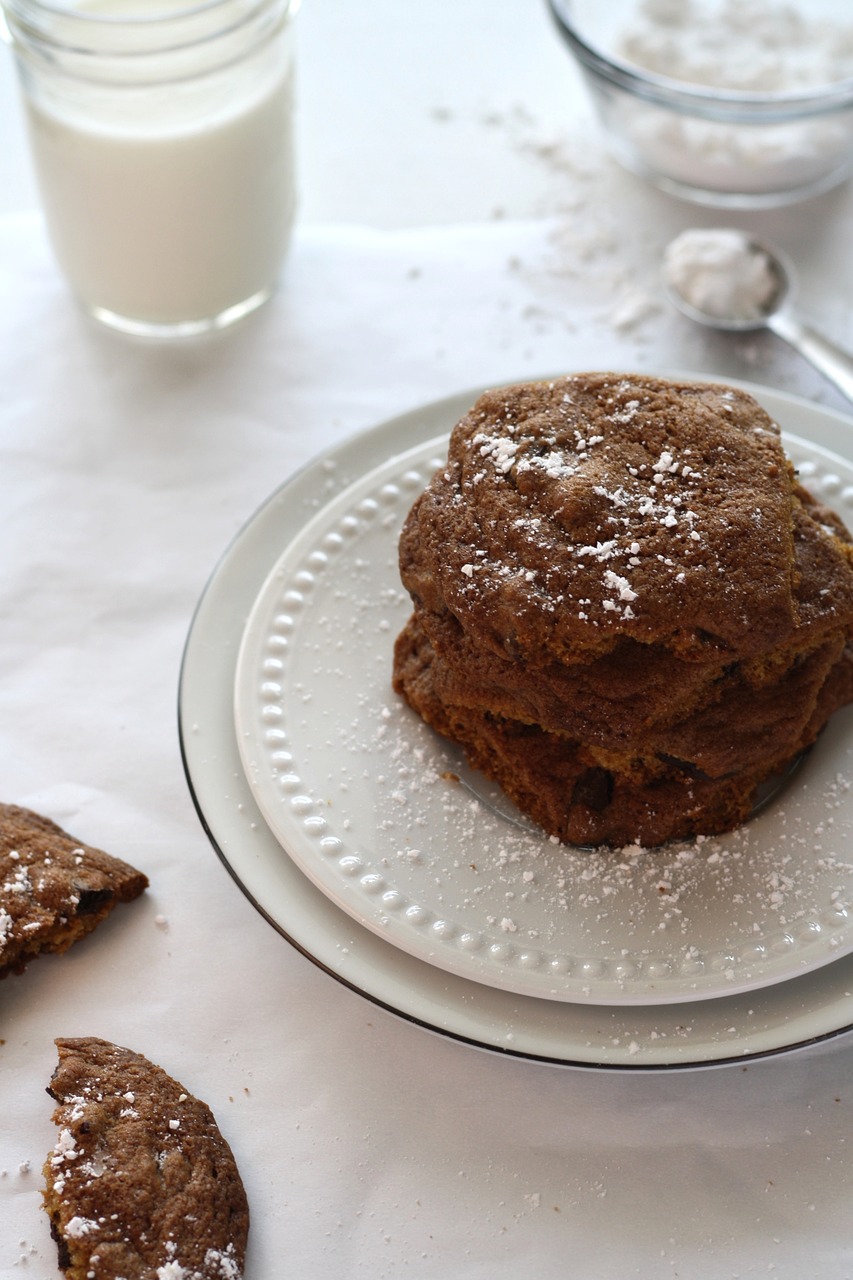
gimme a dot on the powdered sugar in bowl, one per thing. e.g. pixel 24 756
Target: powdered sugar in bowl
pixel 732 103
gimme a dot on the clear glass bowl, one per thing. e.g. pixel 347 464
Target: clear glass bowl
pixel 726 147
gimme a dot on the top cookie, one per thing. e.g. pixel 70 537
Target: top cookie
pixel 598 506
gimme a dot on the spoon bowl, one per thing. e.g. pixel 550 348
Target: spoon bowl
pixel 729 280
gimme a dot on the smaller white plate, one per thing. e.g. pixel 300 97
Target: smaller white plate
pixel 366 800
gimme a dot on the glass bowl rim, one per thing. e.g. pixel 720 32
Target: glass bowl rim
pixel 743 106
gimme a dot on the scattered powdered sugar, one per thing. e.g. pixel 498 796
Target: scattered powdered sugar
pixel 643 511
pixel 18 882
pixel 171 1271
pixel 484 879
pixel 620 585
pixel 218 1265
pixel 65 1148
pixel 77 1227
pixel 222 1264
pixel 632 309
pixel 499 450
pixel 586 242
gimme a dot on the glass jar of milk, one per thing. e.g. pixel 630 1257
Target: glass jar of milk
pixel 162 136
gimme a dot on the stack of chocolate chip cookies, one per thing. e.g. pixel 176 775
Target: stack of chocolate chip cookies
pixel 627 610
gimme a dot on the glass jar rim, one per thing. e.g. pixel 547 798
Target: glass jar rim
pixel 173 40
pixel 30 10
pixel 166 27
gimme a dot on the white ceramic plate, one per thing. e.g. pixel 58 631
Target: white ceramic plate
pixel 486 1010
pixel 364 798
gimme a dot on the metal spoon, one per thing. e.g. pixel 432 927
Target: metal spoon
pixel 747 285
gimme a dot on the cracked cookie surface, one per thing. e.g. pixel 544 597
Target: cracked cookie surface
pixel 141 1184
pixel 53 889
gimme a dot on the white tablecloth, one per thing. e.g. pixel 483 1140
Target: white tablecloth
pixel 369 1147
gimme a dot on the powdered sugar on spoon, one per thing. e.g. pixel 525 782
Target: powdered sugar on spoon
pixel 726 279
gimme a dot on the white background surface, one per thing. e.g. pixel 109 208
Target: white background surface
pixel 459 225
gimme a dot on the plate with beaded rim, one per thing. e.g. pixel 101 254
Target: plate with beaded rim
pixel 388 822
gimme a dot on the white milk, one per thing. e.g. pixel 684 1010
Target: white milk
pixel 169 205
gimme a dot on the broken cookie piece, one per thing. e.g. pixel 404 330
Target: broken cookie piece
pixel 141 1184
pixel 53 889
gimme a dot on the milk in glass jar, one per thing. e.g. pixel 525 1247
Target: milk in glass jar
pixel 162 137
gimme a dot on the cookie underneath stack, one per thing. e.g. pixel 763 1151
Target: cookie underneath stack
pixel 627 610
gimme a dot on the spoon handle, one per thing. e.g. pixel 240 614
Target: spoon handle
pixel 832 361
